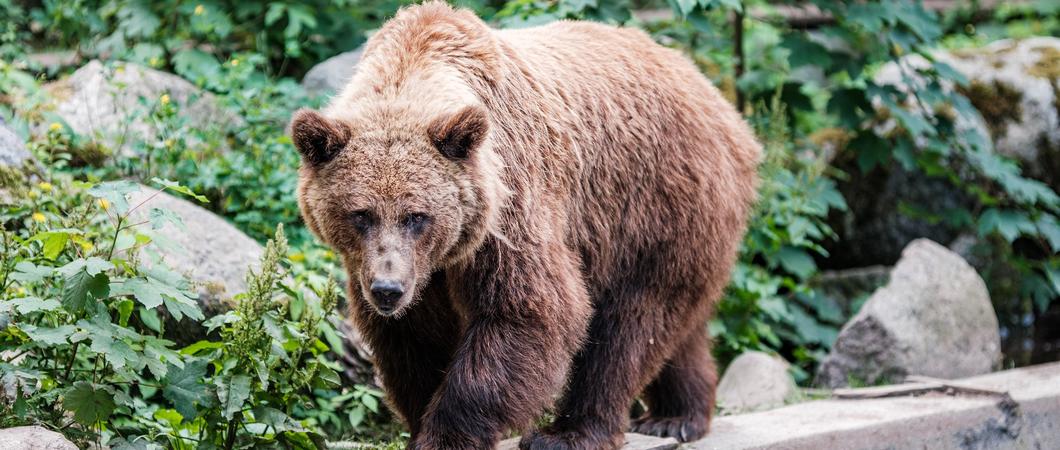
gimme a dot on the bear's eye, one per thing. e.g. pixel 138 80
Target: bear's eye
pixel 361 220
pixel 415 222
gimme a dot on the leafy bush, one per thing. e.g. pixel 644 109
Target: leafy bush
pixel 85 347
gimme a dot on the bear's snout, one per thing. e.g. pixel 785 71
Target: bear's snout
pixel 387 295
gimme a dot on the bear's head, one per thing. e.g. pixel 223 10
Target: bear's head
pixel 397 199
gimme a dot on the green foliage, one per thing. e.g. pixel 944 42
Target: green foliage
pixel 193 37
pixel 770 304
pixel 80 296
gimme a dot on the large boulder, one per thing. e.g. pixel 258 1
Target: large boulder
pixel 330 76
pixel 110 103
pixel 13 152
pixel 753 382
pixel 216 256
pixel 933 318
pixel 212 253
pixel 17 166
pixel 33 438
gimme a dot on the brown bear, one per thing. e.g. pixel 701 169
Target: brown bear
pixel 529 216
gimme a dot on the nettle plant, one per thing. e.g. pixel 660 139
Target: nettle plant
pixel 83 301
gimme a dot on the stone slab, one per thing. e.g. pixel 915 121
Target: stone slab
pixel 633 442
pixel 1027 418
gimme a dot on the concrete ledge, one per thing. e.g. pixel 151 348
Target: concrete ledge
pixel 633 442
pixel 1014 409
pixel 1027 417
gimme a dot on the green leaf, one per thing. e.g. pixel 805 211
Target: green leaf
pixel 1010 224
pixel 90 403
pixel 796 261
pixel 48 336
pixel 683 7
pixel 805 52
pixel 184 388
pixel 850 105
pixel 177 187
pixel 160 217
pixel 26 305
pixel 116 193
pixel 276 419
pixel 948 72
pixel 27 272
pixel 371 403
pixel 53 241
pixel 356 416
pixel 871 150
pixel 125 309
pixel 232 393
pixel 159 356
pixel 1050 229
pixel 81 288
pixel 93 266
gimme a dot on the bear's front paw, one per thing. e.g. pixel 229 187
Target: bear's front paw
pixel 683 429
pixel 570 440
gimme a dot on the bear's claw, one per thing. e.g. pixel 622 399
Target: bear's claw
pixel 569 440
pixel 683 429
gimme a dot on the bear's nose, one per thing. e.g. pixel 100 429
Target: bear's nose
pixel 386 293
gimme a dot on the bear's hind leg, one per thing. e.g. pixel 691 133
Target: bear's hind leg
pixel 681 398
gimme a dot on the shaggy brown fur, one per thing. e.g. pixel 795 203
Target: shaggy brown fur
pixel 528 214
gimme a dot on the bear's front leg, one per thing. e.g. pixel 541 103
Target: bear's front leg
pixel 528 310
pixel 411 352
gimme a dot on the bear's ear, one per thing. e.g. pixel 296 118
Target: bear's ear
pixel 318 138
pixel 457 135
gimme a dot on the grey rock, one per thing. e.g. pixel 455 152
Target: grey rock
pixel 755 381
pixel 331 75
pixel 216 256
pixel 33 438
pixel 13 152
pixel 210 252
pixel 849 286
pixel 55 60
pixel 1014 84
pixel 103 103
pixel 933 318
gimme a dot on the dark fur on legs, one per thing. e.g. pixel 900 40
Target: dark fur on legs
pixel 595 412
pixel 681 398
pixel 411 352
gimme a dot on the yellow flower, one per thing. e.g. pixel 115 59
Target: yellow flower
pixel 297 257
pixel 120 69
pixel 55 126
pixel 45 186
pixel 164 99
pixel 86 246
pixel 33 194
pixel 38 217
pixel 103 203
pixel 235 62
pixel 199 10
pixel 21 291
pixel 168 143
pixel 328 254
pixel 153 62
